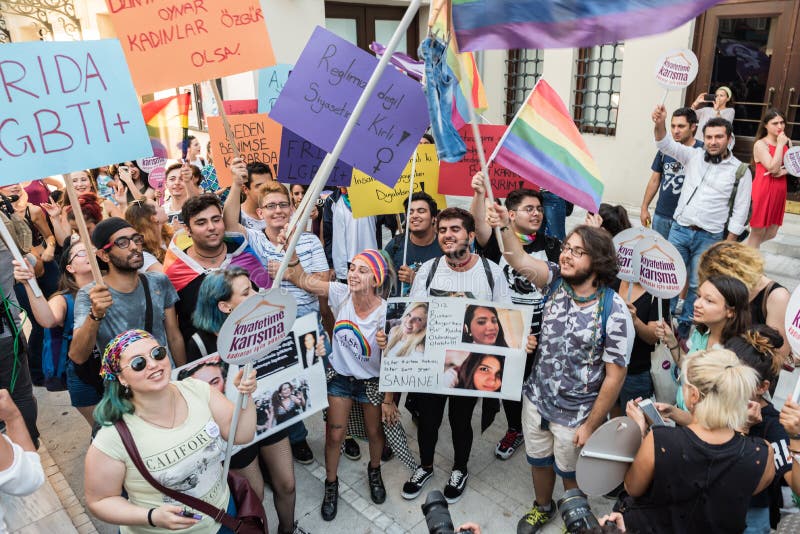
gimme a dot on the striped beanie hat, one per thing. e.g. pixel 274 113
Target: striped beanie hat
pixel 376 262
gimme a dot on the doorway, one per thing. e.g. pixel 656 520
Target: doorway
pixel 362 24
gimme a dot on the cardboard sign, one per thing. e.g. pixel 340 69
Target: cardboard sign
pixel 322 91
pixel 157 160
pixel 791 160
pixel 270 84
pixel 256 326
pixel 240 107
pixel 793 321
pixel 625 242
pixel 434 346
pixel 454 178
pixel 676 69
pixel 169 44
pixel 660 267
pixel 373 198
pixel 66 106
pixel 257 136
pixel 300 160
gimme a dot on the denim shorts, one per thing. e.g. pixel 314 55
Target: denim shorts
pixel 637 385
pixel 81 394
pixel 349 387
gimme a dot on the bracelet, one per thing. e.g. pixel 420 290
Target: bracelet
pixel 93 317
pixel 388 403
pixel 150 517
pixel 294 263
pixel 672 348
pixel 503 228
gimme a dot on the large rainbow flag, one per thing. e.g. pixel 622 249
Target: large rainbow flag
pixel 507 24
pixel 167 120
pixel 543 146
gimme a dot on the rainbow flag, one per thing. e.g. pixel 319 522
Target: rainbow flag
pixel 167 120
pixel 543 146
pixel 507 24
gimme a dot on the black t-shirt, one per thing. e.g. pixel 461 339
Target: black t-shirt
pixel 771 430
pixel 646 310
pixel 416 255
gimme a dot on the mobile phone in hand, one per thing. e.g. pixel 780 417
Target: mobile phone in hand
pixel 651 413
pixel 709 97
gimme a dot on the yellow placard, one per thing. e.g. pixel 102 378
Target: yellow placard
pixel 370 197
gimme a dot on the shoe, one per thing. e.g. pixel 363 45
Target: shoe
pixel 377 491
pixel 330 502
pixel 297 530
pixel 302 452
pixel 413 487
pixel 535 519
pixel 351 449
pixel 387 453
pixel 509 444
pixel 455 486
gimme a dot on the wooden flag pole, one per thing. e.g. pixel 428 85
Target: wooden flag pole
pixel 224 117
pixel 408 209
pixel 82 230
pixel 17 254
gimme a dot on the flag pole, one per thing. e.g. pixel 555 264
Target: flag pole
pixel 510 124
pixel 224 117
pixel 408 208
pixel 82 230
pixel 11 245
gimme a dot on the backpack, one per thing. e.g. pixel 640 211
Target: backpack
pixel 55 345
pixel 17 226
pixel 737 178
pixel 486 269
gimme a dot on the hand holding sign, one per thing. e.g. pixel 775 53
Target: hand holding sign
pixel 791 161
pixel 676 70
pixel 660 268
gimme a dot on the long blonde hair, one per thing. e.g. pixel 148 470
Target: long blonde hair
pixel 406 344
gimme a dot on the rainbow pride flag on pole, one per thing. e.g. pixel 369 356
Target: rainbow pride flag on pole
pixel 167 120
pixel 507 24
pixel 543 146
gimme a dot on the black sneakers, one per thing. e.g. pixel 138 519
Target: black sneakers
pixel 455 486
pixel 330 502
pixel 302 452
pixel 413 487
pixel 536 518
pixel 351 449
pixel 377 491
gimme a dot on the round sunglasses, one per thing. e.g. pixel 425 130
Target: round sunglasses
pixel 138 363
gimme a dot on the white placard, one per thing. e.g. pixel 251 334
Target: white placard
pixel 792 321
pixel 676 69
pixel 660 267
pixel 791 160
pixel 624 242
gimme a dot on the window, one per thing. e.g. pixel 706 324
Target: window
pixel 598 77
pixel 363 24
pixel 523 70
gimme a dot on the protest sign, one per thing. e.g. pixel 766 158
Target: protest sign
pixel 157 160
pixel 257 136
pixel 67 106
pixel 287 389
pixel 172 44
pixel 660 267
pixel 256 326
pixel 270 84
pixel 300 159
pixel 676 69
pixel 322 91
pixel 240 107
pixel 455 346
pixel 625 242
pixel 791 160
pixel 373 198
pixel 793 321
pixel 455 178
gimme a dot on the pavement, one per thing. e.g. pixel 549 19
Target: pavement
pixel 498 492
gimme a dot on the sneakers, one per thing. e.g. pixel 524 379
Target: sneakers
pixel 413 487
pixel 509 444
pixel 330 502
pixel 351 449
pixel 302 452
pixel 377 491
pixel 455 486
pixel 536 518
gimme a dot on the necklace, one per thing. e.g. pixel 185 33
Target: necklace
pixel 576 298
pixel 459 265
pixel 215 256
pixel 174 412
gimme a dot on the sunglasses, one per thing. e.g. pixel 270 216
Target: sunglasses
pixel 138 363
pixel 125 241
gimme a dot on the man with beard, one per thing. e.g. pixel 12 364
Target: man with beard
pixel 715 199
pixel 126 299
pixel 526 215
pixel 581 360
pixel 458 271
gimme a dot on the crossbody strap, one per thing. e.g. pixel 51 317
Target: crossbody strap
pixel 217 514
pixel 148 304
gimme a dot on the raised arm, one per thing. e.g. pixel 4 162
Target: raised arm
pixel 315 283
pixel 48 314
pixel 233 205
pixel 536 271
pixel 666 143
pixel 478 208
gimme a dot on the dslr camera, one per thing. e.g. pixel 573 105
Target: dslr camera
pixel 576 513
pixel 437 516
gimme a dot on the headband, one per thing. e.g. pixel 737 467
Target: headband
pixel 376 262
pixel 727 91
pixel 111 356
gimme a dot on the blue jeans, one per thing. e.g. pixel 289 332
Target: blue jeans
pixel 638 385
pixel 440 86
pixel 555 216
pixel 757 521
pixel 662 225
pixel 690 244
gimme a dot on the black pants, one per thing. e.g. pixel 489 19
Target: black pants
pixel 431 412
pixel 22 395
pixel 513 409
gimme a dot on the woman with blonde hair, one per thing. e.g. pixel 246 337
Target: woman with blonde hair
pixel 700 477
pixel 768 299
pixel 408 337
pixel 150 220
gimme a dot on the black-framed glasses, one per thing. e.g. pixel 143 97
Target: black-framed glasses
pixel 272 206
pixel 79 254
pixel 138 363
pixel 125 241
pixel 574 252
pixel 531 209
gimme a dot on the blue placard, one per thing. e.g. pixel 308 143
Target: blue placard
pixel 300 160
pixel 270 83
pixel 66 106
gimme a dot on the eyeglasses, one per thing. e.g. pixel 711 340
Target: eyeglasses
pixel 574 252
pixel 138 363
pixel 531 209
pixel 272 206
pixel 125 241
pixel 79 254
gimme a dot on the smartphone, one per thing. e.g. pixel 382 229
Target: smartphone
pixel 709 97
pixel 651 413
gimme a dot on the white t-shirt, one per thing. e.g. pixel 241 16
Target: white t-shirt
pixel 350 237
pixel 355 350
pixel 22 477
pixel 149 261
pixel 472 283
pixel 312 258
pixel 251 223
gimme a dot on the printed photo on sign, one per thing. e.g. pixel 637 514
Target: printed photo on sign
pixel 211 370
pixel 487 325
pixel 406 325
pixel 474 371
pixel 307 343
pixel 274 407
pixel 280 359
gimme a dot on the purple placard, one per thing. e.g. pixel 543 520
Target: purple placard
pixel 300 159
pixel 323 90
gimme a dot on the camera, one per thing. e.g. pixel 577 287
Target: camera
pixel 575 512
pixel 437 516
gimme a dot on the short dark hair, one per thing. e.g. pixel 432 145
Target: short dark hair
pixel 615 218
pixel 466 218
pixel 515 197
pixel 717 122
pixel 195 205
pixel 599 246
pixel 257 167
pixel 425 197
pixel 691 116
